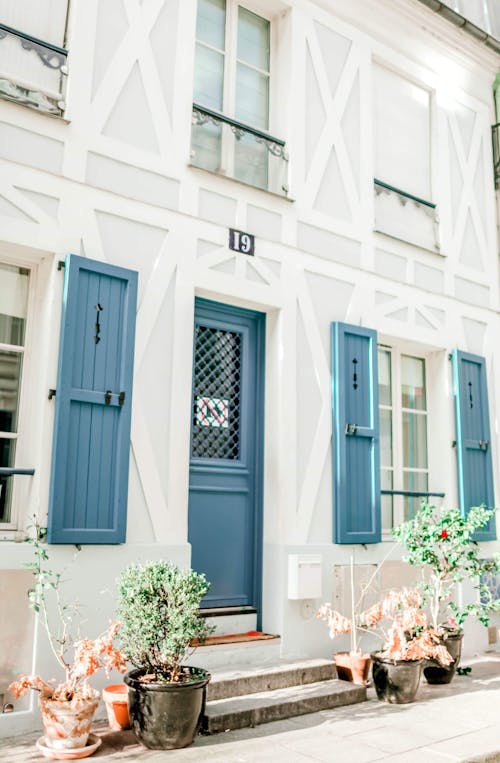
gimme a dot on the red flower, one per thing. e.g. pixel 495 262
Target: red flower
pixel 444 533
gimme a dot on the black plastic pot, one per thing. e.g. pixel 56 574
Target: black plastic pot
pixel 397 681
pixel 166 716
pixel 438 674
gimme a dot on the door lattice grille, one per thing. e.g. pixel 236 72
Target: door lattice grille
pixel 216 394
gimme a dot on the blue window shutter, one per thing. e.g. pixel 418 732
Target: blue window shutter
pixel 355 442
pixel 91 445
pixel 474 462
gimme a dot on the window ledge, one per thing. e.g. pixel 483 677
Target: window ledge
pixel 231 179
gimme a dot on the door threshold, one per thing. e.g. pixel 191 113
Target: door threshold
pixel 226 611
pixel 233 638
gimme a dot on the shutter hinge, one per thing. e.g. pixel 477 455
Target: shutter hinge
pixel 453 443
pixel 121 398
pixel 61 265
pixel 107 397
pixel 52 393
pixel 351 429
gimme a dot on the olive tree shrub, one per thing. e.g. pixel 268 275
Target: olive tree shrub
pixel 159 614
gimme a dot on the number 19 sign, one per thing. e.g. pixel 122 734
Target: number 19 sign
pixel 241 242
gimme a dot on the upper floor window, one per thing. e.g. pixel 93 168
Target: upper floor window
pixel 32 53
pixel 232 89
pixel 404 460
pixel 402 112
pixel 13 310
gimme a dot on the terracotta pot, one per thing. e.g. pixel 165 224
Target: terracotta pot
pixel 440 674
pixel 116 700
pixel 396 681
pixel 67 724
pixel 353 667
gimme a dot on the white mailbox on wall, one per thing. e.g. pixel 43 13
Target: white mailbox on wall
pixel 304 576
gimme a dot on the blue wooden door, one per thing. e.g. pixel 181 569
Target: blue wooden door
pixel 91 445
pixel 225 485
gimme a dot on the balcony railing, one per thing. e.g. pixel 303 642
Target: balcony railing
pixel 237 150
pixel 32 72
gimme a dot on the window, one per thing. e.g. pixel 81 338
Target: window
pixel 13 308
pixel 232 86
pixel 32 54
pixel 402 113
pixel 403 433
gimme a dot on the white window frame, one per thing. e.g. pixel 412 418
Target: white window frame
pixel 226 166
pixel 24 454
pixel 398 469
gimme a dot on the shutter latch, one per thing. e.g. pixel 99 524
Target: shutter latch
pixel 484 444
pixel 121 398
pixel 351 429
pixel 107 397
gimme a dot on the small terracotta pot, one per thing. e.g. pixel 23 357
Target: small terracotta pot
pixel 116 700
pixel 67 724
pixel 353 667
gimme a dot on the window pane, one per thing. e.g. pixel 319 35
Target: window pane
pixel 387 501
pixel 211 22
pixel 206 146
pixel 384 378
pixel 10 379
pixel 208 78
pixel 418 482
pixel 253 39
pixel 252 97
pixel 251 161
pixel 13 303
pixel 7 451
pixel 415 440
pixel 402 132
pixel 385 423
pixel 413 383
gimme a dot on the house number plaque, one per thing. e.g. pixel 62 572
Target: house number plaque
pixel 241 242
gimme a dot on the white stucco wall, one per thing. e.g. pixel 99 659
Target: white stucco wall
pixel 113 182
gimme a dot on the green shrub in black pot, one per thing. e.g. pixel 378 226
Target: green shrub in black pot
pixel 158 610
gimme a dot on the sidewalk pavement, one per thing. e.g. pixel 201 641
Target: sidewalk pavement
pixel 447 724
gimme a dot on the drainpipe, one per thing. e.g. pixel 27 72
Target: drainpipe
pixel 495 134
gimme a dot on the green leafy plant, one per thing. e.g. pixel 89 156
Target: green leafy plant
pixel 440 541
pixel 159 614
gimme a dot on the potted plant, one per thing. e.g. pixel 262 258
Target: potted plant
pixel 353 665
pixel 68 707
pixel 408 640
pixel 440 541
pixel 159 612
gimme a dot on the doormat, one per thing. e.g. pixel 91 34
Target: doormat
pixel 232 638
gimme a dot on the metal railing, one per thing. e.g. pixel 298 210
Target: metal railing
pixel 412 494
pixel 232 148
pixel 403 194
pixel 11 471
pixel 34 80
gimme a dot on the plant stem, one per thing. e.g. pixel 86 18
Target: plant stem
pixel 354 640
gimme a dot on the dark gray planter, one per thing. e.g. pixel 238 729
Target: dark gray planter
pixel 166 716
pixel 438 674
pixel 397 681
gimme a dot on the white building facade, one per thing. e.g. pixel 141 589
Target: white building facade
pixel 306 192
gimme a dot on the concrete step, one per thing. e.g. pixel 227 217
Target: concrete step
pixel 264 707
pixel 244 680
pixel 224 656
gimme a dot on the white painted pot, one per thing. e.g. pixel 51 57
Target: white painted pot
pixel 67 724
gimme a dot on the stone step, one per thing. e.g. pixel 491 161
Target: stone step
pixel 264 707
pixel 244 680
pixel 225 656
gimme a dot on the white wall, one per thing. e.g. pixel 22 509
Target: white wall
pixel 112 182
